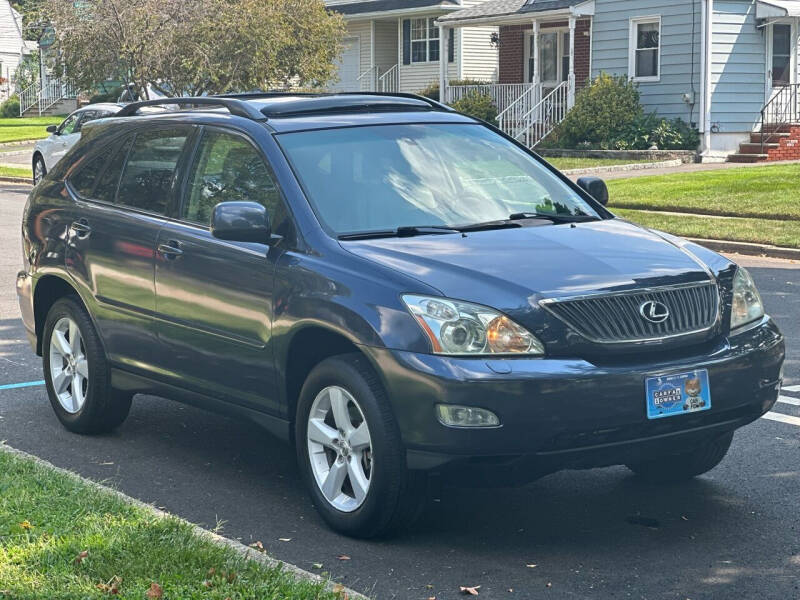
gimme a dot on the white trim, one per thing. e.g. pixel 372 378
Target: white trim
pixel 390 14
pixel 430 22
pixel 372 45
pixel 632 46
pixel 584 9
pixel 560 75
pixel 591 45
pixel 769 88
pixel 708 50
pixel 458 45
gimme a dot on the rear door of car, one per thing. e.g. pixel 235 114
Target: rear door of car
pixel 121 207
pixel 214 297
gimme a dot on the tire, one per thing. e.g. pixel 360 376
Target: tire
pixel 395 496
pixel 684 466
pixel 39 169
pixel 96 407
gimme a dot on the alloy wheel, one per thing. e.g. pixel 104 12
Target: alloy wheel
pixel 339 448
pixel 38 171
pixel 69 367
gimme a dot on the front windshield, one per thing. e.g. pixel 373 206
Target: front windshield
pixel 362 179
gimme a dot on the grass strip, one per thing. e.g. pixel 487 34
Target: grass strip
pixel 15 172
pixel 27 128
pixel 758 192
pixel 759 231
pixel 63 538
pixel 569 162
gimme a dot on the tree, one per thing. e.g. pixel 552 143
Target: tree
pixel 197 46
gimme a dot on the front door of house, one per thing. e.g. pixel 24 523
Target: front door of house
pixel 553 58
pixel 781 68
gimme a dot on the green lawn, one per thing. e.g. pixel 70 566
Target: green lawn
pixel 60 538
pixel 769 192
pixel 564 163
pixel 16 172
pixel 763 231
pixel 28 128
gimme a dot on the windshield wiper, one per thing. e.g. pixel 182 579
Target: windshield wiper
pixel 488 225
pixel 552 217
pixel 404 231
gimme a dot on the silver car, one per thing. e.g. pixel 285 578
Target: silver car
pixel 47 152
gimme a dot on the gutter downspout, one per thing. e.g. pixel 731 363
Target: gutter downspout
pixel 705 100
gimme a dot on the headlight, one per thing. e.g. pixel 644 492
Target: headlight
pixel 747 305
pixel 456 327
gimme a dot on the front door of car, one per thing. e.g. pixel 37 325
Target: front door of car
pixel 214 297
pixel 69 133
pixel 121 207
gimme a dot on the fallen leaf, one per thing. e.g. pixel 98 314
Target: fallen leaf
pixel 26 525
pixel 81 556
pixel 207 583
pixel 470 591
pixel 316 566
pixel 343 557
pixel 211 572
pixel 111 586
pixel 230 577
pixel 549 584
pixel 154 592
pixel 684 517
pixel 284 539
pixel 258 546
pixel 510 590
pixel 532 565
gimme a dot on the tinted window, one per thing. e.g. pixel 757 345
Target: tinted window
pixel 107 186
pixel 147 179
pixel 228 168
pixel 84 180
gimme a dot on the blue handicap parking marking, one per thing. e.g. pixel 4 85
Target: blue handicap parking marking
pixel 14 386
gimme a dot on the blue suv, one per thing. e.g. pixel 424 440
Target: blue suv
pixel 397 289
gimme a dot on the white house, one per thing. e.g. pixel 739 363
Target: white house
pixel 12 46
pixel 394 46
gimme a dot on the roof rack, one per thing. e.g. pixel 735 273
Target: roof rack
pixel 235 106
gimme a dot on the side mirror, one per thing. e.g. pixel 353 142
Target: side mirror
pixel 241 222
pixel 595 187
pixel 52 129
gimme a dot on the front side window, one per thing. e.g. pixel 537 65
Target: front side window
pixel 106 189
pixel 645 47
pixel 379 178
pixel 227 169
pixel 147 180
pixel 424 40
pixel 68 126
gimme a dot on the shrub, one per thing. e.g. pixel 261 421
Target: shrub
pixel 10 108
pixel 106 97
pixel 432 91
pixel 478 105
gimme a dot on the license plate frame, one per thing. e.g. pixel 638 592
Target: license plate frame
pixel 677 394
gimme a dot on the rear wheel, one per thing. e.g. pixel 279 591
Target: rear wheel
pixel 349 449
pixel 39 169
pixel 684 466
pixel 76 372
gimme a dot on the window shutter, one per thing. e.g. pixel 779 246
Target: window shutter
pixel 451 45
pixel 406 41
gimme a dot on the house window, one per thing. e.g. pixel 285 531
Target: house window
pixel 424 41
pixel 781 54
pixel 644 62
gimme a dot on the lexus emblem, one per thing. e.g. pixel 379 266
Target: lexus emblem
pixel 653 311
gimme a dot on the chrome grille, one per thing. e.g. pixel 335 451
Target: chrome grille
pixel 617 318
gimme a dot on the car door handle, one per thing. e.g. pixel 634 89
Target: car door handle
pixel 171 250
pixel 81 228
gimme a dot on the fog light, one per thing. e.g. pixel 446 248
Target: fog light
pixel 453 415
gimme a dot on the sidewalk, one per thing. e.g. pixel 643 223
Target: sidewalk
pixel 686 168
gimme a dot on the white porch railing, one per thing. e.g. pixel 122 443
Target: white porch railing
pixel 502 94
pixel 543 118
pixel 389 82
pixel 515 118
pixel 368 80
pixel 43 97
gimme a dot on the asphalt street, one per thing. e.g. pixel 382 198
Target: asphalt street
pixel 733 533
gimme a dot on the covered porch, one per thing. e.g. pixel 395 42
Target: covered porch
pixel 544 48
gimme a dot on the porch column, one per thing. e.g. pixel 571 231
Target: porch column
pixel 571 78
pixel 535 54
pixel 444 32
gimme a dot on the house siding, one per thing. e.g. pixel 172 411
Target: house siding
pixel 480 58
pixel 738 66
pixel 681 58
pixel 363 32
pixel 386 46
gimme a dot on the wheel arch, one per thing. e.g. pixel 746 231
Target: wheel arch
pixel 48 290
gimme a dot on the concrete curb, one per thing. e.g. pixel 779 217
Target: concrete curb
pixel 748 248
pixel 17 180
pixel 238 547
pixel 622 168
pixel 19 143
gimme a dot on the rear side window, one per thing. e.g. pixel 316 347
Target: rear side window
pixel 107 185
pixel 148 176
pixel 228 168
pixel 84 181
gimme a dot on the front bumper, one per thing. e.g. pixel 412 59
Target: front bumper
pixel 560 413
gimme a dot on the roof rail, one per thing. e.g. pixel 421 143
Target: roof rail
pixel 432 103
pixel 235 106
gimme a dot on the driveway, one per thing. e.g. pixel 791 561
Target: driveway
pixel 734 533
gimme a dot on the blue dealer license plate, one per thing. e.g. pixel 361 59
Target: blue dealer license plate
pixel 671 395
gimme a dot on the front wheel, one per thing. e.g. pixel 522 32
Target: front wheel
pixel 350 452
pixel 76 372
pixel 39 169
pixel 684 466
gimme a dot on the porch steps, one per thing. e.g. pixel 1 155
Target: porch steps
pixel 781 142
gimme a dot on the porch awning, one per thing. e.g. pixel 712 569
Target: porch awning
pixel 776 9
pixel 508 12
pixel 369 7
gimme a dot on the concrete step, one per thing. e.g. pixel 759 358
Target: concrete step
pixel 747 158
pixel 756 148
pixel 778 127
pixel 776 137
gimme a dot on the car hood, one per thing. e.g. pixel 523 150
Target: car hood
pixel 511 268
